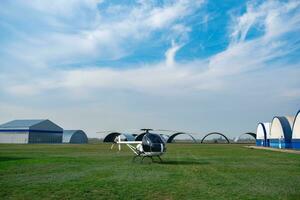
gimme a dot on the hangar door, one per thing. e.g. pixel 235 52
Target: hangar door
pixel 14 137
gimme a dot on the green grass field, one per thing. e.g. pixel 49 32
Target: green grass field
pixel 189 171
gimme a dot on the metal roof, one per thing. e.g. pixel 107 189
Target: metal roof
pixel 70 132
pixel 23 123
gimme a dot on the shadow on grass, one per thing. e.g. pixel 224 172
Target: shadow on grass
pixel 184 162
pixel 6 158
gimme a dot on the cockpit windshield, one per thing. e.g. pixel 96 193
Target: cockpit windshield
pixel 154 138
pixel 153 143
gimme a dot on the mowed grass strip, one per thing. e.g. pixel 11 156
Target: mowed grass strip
pixel 189 171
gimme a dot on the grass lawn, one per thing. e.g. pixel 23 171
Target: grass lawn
pixel 189 171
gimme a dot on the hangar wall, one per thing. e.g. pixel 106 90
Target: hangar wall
pixel 14 137
pixel 44 137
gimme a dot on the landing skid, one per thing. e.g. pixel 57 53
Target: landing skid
pixel 142 157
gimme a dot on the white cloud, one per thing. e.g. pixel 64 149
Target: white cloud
pixel 160 17
pixel 274 17
pixel 66 8
pixel 100 37
pixel 292 93
pixel 170 77
pixel 170 54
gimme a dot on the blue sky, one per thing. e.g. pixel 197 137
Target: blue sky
pixel 195 66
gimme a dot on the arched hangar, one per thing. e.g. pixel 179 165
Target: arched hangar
pixel 171 138
pixel 215 133
pixel 296 132
pixel 281 132
pixel 247 133
pixel 112 136
pixel 75 137
pixel 263 134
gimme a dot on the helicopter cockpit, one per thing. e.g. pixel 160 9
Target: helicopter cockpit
pixel 153 143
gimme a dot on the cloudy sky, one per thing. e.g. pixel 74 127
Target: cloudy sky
pixel 195 66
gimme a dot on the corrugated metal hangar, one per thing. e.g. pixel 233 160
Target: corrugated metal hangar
pixel 30 131
pixel 75 137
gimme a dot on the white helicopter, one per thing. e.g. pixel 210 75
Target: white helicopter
pixel 152 145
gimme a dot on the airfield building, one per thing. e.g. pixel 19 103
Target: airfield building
pixel 112 136
pixel 263 134
pixel 30 131
pixel 296 132
pixel 281 132
pixel 75 137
